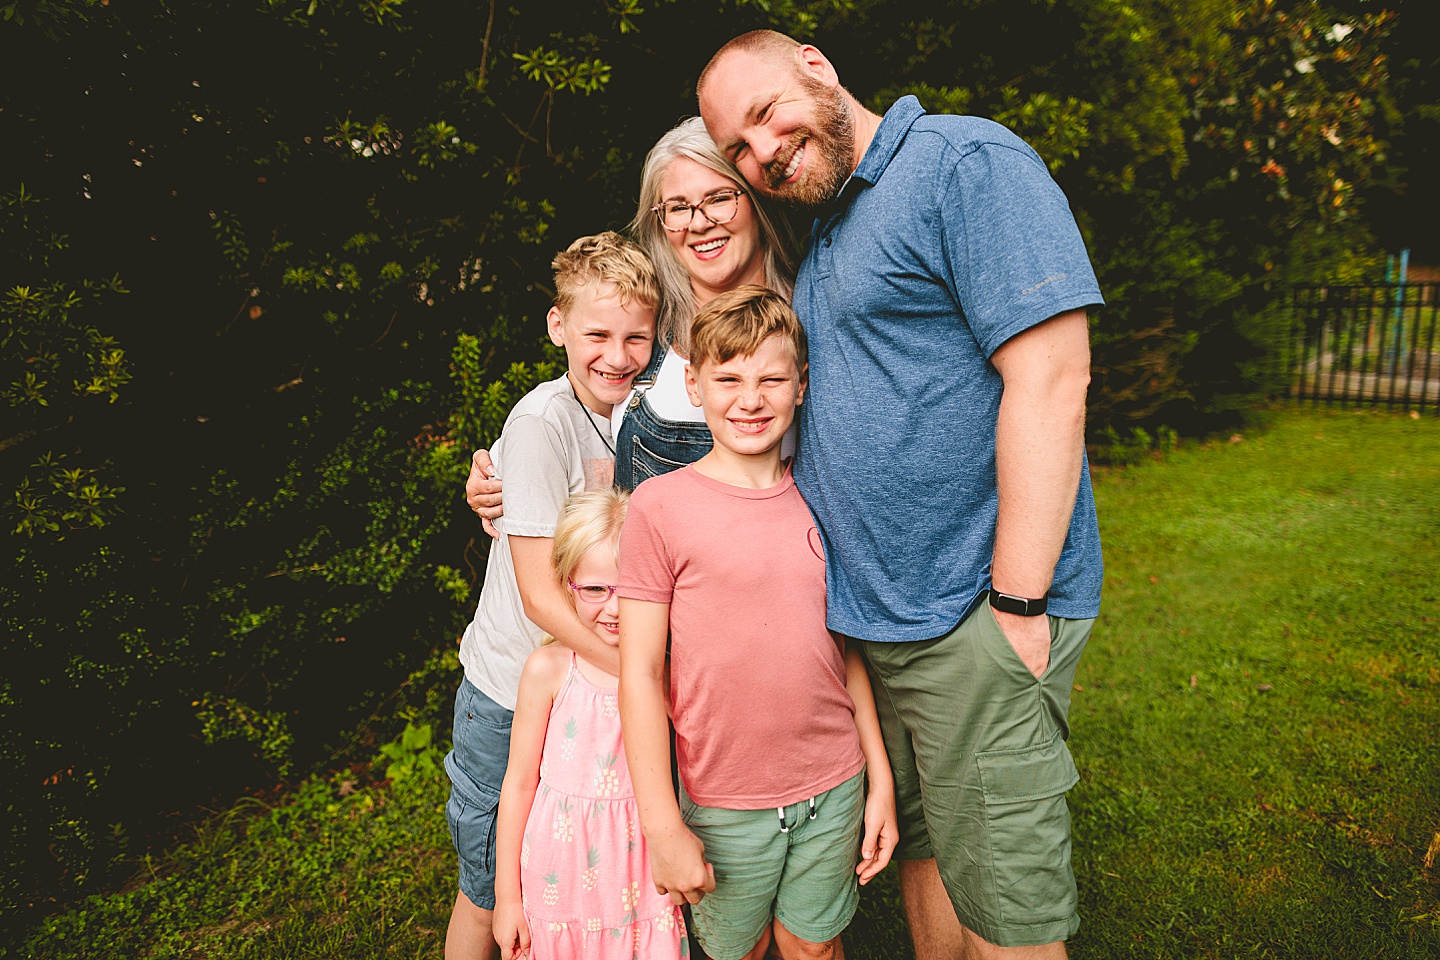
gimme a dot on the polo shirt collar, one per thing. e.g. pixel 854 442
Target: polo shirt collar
pixel 888 136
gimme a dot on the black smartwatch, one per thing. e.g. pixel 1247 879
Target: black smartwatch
pixel 1019 606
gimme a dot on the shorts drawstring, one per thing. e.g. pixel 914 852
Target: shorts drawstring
pixel 780 812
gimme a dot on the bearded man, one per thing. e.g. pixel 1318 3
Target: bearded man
pixel 944 293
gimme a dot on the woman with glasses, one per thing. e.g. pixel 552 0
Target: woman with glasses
pixel 706 234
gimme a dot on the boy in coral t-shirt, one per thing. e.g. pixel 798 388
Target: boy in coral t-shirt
pixel 775 724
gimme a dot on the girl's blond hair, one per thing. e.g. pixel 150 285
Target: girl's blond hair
pixel 587 520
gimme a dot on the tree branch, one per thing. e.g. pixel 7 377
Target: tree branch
pixel 485 48
pixel 24 435
pixel 382 336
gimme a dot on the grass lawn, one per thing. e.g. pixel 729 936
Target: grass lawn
pixel 1258 727
pixel 1256 724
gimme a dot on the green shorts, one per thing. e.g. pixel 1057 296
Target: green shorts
pixel 977 745
pixel 804 877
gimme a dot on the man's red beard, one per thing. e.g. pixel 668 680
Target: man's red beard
pixel 829 147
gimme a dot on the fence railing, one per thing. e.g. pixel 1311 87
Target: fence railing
pixel 1367 345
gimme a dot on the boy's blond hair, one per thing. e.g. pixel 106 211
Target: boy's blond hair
pixel 735 323
pixel 604 258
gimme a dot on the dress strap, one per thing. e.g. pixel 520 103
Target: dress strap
pixel 572 673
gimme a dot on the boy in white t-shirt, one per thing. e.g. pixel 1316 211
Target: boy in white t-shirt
pixel 555 442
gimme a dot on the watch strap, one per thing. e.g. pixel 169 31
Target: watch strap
pixel 1020 606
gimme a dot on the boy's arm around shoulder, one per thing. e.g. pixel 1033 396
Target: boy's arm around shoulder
pixel 882 827
pixel 545 605
pixel 677 857
pixel 484 492
pixel 538 462
pixel 539 685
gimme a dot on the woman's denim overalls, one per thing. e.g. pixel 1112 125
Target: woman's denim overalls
pixel 650 445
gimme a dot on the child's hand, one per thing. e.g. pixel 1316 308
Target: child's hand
pixel 680 868
pixel 882 830
pixel 512 931
pixel 483 491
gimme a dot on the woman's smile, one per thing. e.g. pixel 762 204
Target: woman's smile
pixel 718 256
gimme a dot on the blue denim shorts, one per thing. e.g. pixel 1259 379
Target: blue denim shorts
pixel 476 766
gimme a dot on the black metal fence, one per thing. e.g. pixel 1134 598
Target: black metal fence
pixel 1367 345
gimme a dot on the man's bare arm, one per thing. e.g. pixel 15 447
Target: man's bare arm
pixel 1039 441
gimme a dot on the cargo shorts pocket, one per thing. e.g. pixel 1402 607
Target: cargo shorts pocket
pixel 1028 825
pixel 470 813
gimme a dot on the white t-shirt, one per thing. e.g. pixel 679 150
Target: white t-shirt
pixel 669 400
pixel 551 446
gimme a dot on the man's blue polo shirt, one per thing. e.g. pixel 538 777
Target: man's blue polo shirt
pixel 949 238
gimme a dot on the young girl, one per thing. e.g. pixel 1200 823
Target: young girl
pixel 572 870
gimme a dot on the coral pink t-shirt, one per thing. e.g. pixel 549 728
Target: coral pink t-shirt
pixel 762 717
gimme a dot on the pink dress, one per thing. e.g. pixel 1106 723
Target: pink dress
pixel 585 878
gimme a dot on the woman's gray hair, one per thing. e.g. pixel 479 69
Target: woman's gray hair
pixel 688 139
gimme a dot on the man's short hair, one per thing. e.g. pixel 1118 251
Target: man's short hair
pixel 737 322
pixel 604 258
pixel 769 44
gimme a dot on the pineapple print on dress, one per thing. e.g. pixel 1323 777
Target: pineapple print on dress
pixel 567 749
pixel 592 870
pixel 607 780
pixel 564 823
pixel 552 889
pixel 586 878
